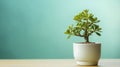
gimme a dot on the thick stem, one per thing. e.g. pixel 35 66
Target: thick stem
pixel 87 39
pixel 86 32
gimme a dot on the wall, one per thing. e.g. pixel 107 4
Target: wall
pixel 34 28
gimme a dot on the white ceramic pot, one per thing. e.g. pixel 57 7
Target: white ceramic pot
pixel 87 53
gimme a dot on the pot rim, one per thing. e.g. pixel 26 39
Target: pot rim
pixel 90 43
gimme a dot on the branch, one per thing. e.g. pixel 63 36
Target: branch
pixel 78 34
pixel 90 33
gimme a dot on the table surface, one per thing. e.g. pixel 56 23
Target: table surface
pixel 54 63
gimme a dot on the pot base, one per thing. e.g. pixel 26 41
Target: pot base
pixel 87 63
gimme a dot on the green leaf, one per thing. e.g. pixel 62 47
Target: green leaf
pixel 67 31
pixel 98 33
pixel 97 21
pixel 96 26
pixel 99 29
pixel 68 37
pixel 70 27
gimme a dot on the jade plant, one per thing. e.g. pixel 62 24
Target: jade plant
pixel 86 24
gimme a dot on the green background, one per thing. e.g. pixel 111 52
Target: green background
pixel 34 28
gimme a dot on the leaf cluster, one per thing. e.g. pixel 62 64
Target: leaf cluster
pixel 86 25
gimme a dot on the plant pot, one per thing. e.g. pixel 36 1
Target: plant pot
pixel 87 53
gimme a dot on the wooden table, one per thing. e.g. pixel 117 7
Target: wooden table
pixel 54 63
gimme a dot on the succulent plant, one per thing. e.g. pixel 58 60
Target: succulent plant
pixel 86 24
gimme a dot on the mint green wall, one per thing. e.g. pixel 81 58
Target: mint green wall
pixel 34 28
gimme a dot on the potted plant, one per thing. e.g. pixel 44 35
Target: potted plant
pixel 85 53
